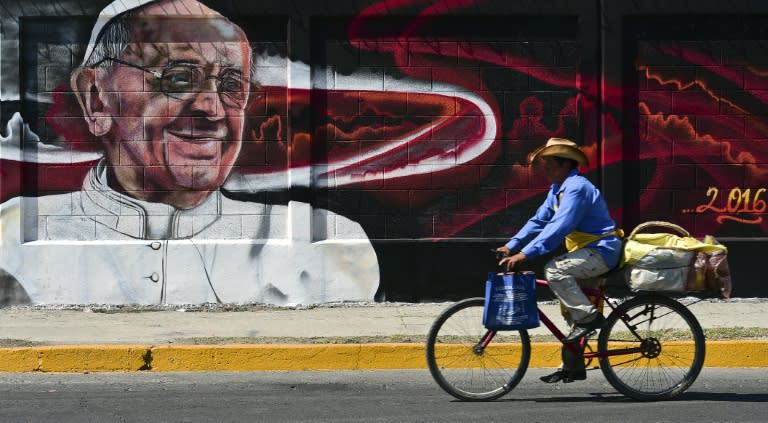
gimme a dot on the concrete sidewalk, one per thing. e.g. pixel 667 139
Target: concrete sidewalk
pixel 331 336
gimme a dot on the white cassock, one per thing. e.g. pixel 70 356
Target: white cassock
pixel 97 246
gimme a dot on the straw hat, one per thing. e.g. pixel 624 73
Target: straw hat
pixel 560 147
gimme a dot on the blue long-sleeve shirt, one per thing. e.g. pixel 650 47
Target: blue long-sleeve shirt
pixel 581 207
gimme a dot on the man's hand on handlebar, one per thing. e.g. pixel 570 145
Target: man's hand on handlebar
pixel 501 252
pixel 509 262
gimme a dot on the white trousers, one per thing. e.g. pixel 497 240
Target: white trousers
pixel 562 273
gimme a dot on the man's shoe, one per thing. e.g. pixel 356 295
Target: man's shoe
pixel 581 329
pixel 566 376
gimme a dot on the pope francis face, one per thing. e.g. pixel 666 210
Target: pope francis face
pixel 170 108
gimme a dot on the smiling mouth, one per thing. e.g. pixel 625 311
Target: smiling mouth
pixel 196 138
pixel 195 147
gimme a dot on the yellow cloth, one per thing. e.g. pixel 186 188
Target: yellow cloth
pixel 577 239
pixel 641 244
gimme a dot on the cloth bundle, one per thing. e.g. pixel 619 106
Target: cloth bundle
pixel 675 262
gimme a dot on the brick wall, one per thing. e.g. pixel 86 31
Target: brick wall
pixel 415 120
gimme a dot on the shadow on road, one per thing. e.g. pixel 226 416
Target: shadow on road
pixel 723 396
pixel 616 398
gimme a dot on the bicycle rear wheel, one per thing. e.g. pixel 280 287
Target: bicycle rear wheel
pixel 462 367
pixel 669 345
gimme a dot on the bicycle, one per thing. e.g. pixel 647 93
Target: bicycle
pixel 650 348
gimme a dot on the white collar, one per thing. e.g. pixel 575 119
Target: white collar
pixel 143 219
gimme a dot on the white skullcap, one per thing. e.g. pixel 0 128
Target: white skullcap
pixel 114 9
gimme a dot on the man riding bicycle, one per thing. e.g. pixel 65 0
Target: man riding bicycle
pixel 576 213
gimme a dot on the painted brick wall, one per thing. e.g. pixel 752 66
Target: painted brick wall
pixel 395 135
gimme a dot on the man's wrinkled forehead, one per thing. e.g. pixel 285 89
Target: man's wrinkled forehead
pixel 189 19
pixel 175 29
pixel 214 39
pixel 176 20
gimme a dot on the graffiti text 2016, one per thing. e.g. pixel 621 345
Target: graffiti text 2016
pixel 739 201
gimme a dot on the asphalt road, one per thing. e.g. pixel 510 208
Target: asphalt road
pixel 377 396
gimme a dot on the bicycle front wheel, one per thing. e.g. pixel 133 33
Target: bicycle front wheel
pixel 654 348
pixel 463 365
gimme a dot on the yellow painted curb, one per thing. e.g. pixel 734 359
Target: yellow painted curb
pixel 737 354
pixel 288 357
pixel 19 360
pixel 103 358
pixel 743 353
pixel 74 358
pixel 97 358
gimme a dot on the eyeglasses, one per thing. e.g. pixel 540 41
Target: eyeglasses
pixel 182 81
